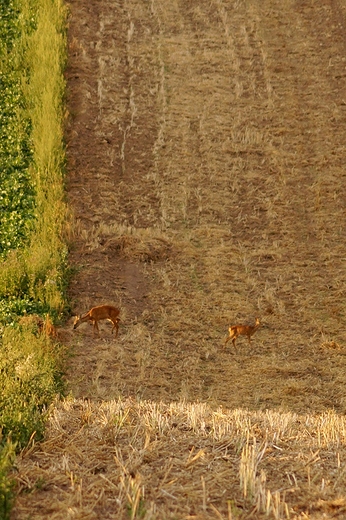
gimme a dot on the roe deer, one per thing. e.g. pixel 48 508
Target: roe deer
pixel 38 324
pixel 102 312
pixel 242 330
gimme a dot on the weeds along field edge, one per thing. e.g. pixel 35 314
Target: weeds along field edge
pixel 33 272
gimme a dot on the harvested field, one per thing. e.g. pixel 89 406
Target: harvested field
pixel 130 459
pixel 206 146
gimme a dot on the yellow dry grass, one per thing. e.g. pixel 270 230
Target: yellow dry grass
pixel 145 459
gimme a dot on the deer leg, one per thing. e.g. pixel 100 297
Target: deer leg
pixel 96 327
pixel 115 326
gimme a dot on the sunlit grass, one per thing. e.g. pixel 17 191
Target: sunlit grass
pixel 161 459
pixel 33 273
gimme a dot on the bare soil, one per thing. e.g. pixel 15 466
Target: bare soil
pixel 206 174
pixel 206 150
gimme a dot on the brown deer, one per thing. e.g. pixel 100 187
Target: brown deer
pixel 102 312
pixel 242 330
pixel 38 324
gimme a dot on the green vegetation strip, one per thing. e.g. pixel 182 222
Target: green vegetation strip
pixel 33 219
pixel 16 188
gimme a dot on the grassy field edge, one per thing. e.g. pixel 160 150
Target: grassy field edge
pixel 33 278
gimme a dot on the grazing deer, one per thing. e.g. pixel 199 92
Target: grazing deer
pixel 242 330
pixel 102 312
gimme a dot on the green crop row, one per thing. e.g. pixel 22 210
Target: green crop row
pixel 33 221
pixel 16 189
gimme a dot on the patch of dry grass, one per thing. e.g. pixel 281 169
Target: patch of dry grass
pixel 143 459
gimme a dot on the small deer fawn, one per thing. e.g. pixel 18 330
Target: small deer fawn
pixel 242 330
pixel 39 324
pixel 102 312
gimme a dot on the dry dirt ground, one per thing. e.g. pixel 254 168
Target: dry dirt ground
pixel 206 146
